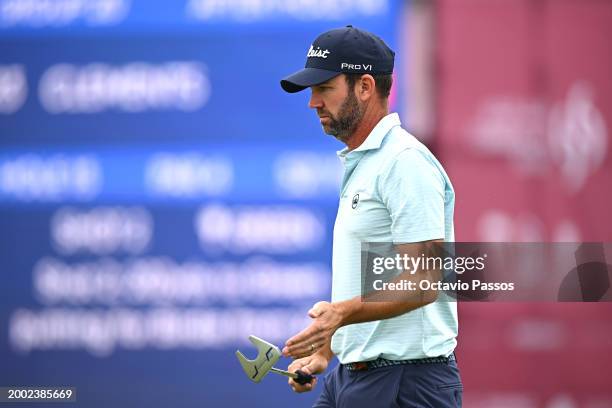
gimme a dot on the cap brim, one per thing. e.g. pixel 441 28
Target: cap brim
pixel 305 78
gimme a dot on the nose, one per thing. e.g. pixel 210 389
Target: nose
pixel 315 101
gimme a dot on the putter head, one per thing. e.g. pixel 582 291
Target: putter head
pixel 267 355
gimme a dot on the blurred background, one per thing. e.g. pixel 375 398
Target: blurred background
pixel 161 198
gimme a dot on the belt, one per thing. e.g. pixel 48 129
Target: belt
pixel 383 362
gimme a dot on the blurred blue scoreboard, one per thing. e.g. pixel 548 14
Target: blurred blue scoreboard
pixel 161 198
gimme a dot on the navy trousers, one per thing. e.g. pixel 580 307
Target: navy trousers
pixel 435 385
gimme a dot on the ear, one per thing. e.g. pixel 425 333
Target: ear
pixel 365 87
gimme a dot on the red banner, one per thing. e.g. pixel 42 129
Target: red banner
pixel 524 129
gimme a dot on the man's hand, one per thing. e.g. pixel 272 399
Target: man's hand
pixel 327 319
pixel 315 364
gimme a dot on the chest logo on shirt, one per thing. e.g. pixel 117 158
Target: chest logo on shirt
pixel 355 201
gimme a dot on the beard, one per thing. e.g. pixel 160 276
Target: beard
pixel 349 116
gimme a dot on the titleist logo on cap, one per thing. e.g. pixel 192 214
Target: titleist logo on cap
pixel 317 53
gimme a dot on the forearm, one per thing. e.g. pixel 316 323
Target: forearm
pixel 355 310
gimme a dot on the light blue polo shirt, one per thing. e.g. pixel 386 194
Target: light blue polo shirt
pixel 393 190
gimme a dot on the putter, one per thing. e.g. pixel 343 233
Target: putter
pixel 267 355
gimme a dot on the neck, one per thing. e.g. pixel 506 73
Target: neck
pixel 372 115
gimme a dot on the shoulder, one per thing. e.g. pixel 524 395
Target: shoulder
pixel 398 140
pixel 402 152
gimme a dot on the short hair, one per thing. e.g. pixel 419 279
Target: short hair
pixel 383 83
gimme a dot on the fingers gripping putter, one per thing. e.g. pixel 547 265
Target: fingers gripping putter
pixel 267 355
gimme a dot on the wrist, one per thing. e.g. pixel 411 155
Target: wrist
pixel 347 309
pixel 325 353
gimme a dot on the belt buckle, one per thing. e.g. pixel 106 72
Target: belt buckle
pixel 360 366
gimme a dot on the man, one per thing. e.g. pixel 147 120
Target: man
pixel 391 353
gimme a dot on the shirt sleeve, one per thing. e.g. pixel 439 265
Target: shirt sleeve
pixel 412 189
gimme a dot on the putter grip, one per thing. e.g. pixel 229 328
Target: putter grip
pixel 303 378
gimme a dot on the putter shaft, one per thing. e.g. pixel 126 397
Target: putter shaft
pixel 300 377
pixel 283 372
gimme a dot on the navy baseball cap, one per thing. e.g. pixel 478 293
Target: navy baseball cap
pixel 342 50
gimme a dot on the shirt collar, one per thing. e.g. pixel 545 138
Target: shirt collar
pixel 376 136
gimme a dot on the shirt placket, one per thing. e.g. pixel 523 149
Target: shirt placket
pixel 351 161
